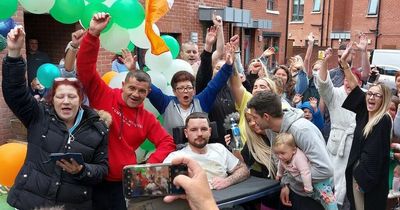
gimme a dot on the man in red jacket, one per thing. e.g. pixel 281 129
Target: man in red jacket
pixel 131 123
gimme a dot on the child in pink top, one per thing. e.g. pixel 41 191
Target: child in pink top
pixel 294 161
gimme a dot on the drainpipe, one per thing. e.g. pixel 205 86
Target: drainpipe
pixel 322 24
pixel 327 25
pixel 287 28
pixel 377 25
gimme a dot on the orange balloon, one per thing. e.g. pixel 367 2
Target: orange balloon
pixel 12 157
pixel 108 76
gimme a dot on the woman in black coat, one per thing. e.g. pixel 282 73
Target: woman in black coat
pixel 62 125
pixel 367 170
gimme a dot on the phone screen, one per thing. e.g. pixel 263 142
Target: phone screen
pixel 152 180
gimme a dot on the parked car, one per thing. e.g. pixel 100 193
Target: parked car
pixel 389 63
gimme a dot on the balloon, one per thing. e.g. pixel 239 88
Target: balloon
pixel 67 11
pixel 139 37
pixel 37 6
pixel 116 81
pixel 130 48
pixel 94 1
pixel 177 65
pixel 127 13
pixel 173 45
pixel 3 43
pixel 108 76
pixel 12 157
pixel 147 145
pixel 168 90
pixel 158 62
pixel 158 79
pixel 92 9
pixel 115 39
pixel 47 73
pixel 149 107
pixel 7 8
pixel 6 25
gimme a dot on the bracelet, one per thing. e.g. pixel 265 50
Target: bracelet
pixel 71 47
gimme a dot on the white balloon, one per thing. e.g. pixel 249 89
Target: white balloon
pixel 116 81
pixel 169 91
pixel 149 107
pixel 158 79
pixel 37 6
pixel 138 36
pixel 115 39
pixel 158 62
pixel 177 65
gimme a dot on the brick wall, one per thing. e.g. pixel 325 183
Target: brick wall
pixel 182 19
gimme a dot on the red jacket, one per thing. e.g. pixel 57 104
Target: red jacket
pixel 130 126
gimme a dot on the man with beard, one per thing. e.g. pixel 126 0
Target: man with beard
pixel 222 167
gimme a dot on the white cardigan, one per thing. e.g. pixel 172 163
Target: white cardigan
pixel 343 123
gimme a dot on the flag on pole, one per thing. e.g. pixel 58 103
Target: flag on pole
pixel 155 9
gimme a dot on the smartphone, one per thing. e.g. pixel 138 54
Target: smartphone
pixel 67 156
pixel 373 77
pixel 232 143
pixel 152 180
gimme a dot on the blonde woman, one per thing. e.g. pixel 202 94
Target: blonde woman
pixel 367 169
pixel 257 155
pixel 242 96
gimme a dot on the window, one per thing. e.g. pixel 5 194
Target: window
pixel 298 10
pixel 317 6
pixel 373 7
pixel 270 4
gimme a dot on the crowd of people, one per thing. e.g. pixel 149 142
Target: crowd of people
pixel 324 134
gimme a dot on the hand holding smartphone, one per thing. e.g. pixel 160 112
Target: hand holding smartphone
pixel 67 156
pixel 152 180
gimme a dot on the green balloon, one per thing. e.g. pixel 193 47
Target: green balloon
pixel 147 146
pixel 7 8
pixel 92 9
pixel 127 13
pixel 47 73
pixel 67 11
pixel 95 1
pixel 172 44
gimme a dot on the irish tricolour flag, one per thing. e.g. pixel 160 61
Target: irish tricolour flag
pixel 155 9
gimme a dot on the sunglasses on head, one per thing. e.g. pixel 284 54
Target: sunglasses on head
pixel 71 79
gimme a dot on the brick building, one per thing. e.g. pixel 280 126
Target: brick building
pixel 335 21
pixel 260 23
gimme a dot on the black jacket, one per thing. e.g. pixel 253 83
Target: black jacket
pixel 224 103
pixel 39 183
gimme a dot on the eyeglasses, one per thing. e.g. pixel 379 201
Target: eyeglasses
pixel 375 95
pixel 71 79
pixel 182 89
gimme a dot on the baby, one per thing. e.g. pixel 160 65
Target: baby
pixel 295 162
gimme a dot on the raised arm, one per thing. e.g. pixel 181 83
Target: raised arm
pixel 362 48
pixel 219 52
pixel 73 46
pixel 205 71
pixel 307 58
pixel 348 74
pixel 86 60
pixel 323 71
pixel 208 95
pixel 14 86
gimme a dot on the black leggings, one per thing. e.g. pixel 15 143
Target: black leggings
pixel 108 196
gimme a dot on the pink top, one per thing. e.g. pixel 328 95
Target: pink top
pixel 299 165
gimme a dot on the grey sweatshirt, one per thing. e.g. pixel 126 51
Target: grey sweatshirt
pixel 310 140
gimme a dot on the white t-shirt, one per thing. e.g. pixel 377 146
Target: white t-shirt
pixel 217 161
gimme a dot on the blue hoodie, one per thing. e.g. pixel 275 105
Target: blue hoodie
pixel 317 118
